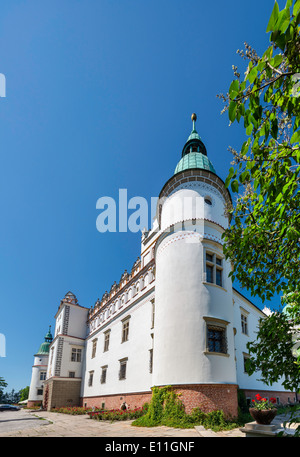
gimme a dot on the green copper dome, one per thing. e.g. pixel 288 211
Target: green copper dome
pixel 194 160
pixel 194 153
pixel 44 347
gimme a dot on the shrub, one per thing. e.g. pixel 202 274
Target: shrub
pixel 166 408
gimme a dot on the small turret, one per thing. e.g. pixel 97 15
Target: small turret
pixel 44 347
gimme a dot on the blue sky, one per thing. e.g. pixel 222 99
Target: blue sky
pixel 99 97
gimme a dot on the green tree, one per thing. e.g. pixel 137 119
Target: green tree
pixel 273 357
pixel 3 384
pixel 24 393
pixel 263 240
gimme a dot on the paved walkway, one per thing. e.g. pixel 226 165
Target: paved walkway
pixel 64 425
pixel 49 424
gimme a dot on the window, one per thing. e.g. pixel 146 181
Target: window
pixel 153 312
pixel 216 339
pixel 123 366
pixel 209 273
pixel 214 269
pixel 244 323
pixel 208 201
pixel 76 355
pixel 39 391
pixel 106 340
pixel 71 374
pixel 42 375
pixel 125 329
pixel 94 348
pixel 103 374
pixel 219 270
pixel 91 376
pixel 245 358
pixel 150 360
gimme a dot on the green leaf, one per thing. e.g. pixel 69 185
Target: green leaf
pixel 274 129
pixel 250 164
pixel 234 89
pixel 252 75
pixel 277 60
pixel 279 39
pixel 249 129
pixel 296 7
pixel 232 111
pixel 283 20
pixel 245 176
pixel 273 18
pixel 296 137
pixel 235 186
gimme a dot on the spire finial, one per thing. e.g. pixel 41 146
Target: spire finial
pixel 194 118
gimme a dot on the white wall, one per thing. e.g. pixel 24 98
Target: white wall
pixel 136 349
pixel 77 321
pixel 244 380
pixel 183 300
pixel 40 365
pixel 74 323
pixel 187 202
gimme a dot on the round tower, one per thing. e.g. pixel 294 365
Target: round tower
pixel 39 370
pixel 194 335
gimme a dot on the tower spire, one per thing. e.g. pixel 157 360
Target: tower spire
pixel 194 118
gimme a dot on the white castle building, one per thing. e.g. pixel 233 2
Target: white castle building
pixel 174 319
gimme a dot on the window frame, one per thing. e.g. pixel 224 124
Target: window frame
pixel 244 321
pixel 152 312
pixel 77 353
pixel 125 329
pixel 43 375
pixel 106 340
pixel 150 360
pixel 123 373
pixel 91 378
pixel 245 358
pixel 94 347
pixel 218 325
pixel 103 374
pixel 214 265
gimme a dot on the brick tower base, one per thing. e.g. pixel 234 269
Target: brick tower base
pixel 208 397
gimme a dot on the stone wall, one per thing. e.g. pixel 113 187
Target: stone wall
pixel 62 393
